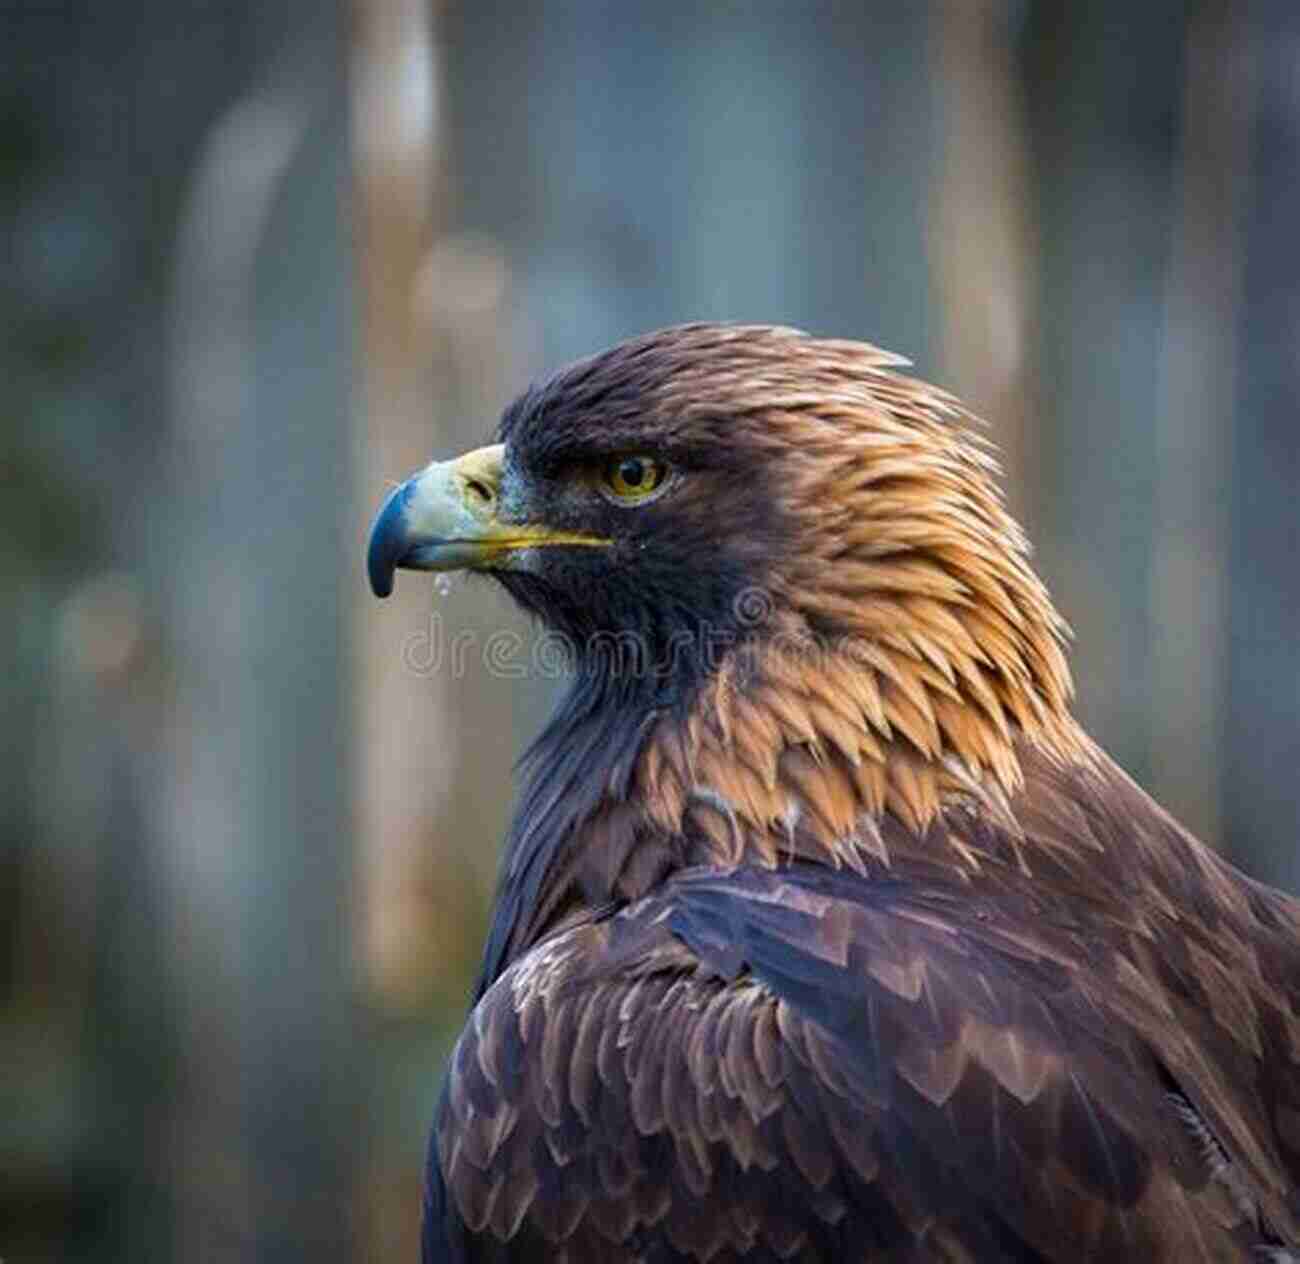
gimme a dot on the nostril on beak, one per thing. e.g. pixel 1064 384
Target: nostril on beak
pixel 479 491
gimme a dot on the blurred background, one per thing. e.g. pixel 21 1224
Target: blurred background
pixel 259 260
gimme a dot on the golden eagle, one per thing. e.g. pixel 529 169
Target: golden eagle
pixel 824 932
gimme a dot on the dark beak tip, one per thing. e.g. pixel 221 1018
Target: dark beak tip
pixel 381 582
pixel 387 542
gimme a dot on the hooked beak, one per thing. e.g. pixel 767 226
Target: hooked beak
pixel 445 519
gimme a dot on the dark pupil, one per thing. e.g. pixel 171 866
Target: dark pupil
pixel 632 471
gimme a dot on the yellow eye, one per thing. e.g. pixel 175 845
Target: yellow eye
pixel 629 479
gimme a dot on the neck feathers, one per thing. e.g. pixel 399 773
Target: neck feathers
pixel 798 753
pixel 791 750
pixel 901 658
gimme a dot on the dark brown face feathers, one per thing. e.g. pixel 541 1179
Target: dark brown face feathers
pixel 824 933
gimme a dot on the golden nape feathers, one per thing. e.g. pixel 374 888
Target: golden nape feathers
pixel 824 932
pixel 906 648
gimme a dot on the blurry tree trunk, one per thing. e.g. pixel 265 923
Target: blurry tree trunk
pixel 1262 744
pixel 982 243
pixel 436 731
pixel 407 754
pixel 1104 86
pixel 258 830
pixel 1193 419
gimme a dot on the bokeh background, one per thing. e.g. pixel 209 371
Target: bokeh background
pixel 257 259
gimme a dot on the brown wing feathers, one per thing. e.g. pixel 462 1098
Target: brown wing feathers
pixel 901 1069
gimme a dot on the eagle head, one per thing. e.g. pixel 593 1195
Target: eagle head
pixel 740 517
